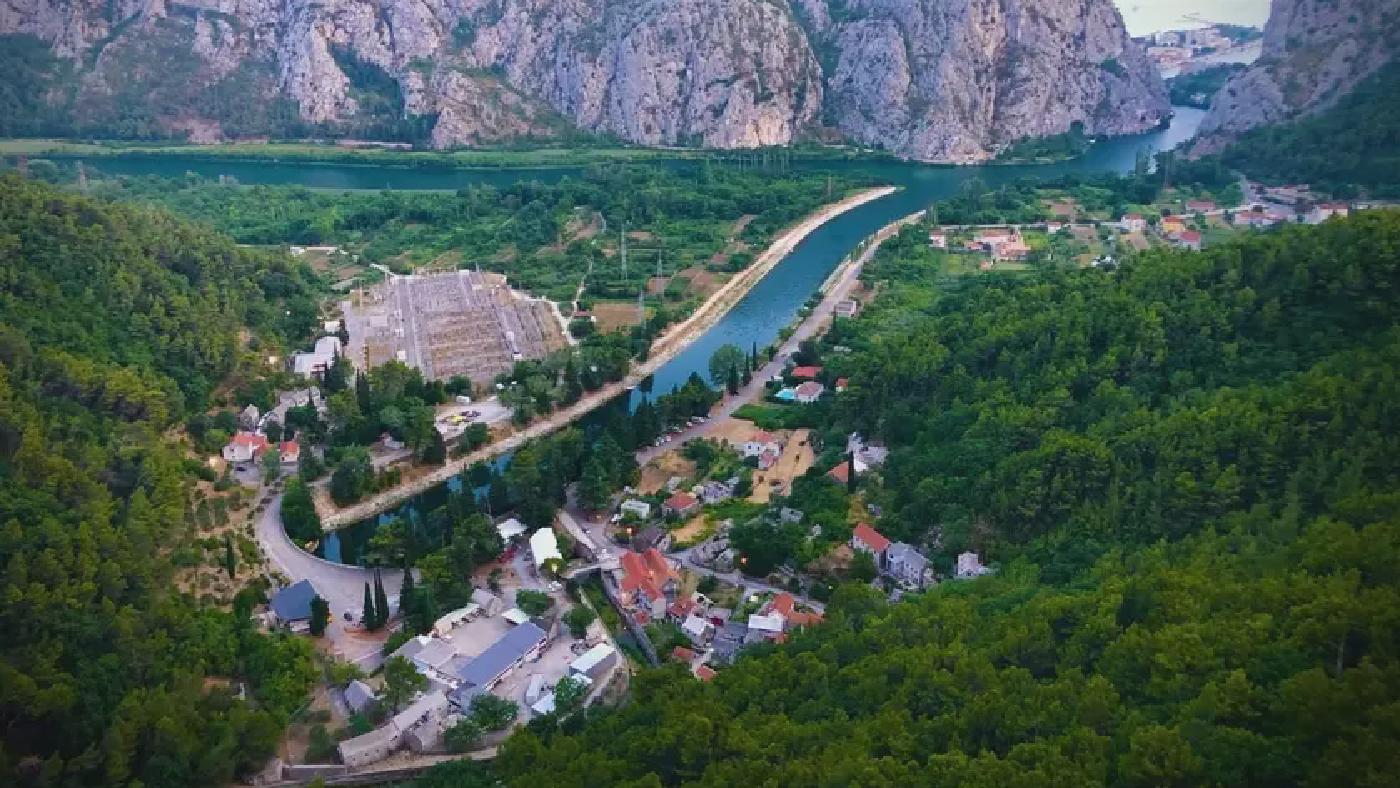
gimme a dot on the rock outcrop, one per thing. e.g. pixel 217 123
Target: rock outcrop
pixel 1314 52
pixel 929 79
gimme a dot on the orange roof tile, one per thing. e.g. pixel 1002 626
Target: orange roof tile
pixel 872 537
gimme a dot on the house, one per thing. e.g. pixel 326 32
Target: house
pixel 785 605
pixel 681 504
pixel 513 648
pixel 595 662
pixel 841 474
pixel 768 458
pixel 650 537
pixel 787 515
pixel 250 417
pixel 1189 239
pixel 359 697
pixel 704 672
pixel 697 628
pixel 847 308
pixel 842 383
pixel 1326 210
pixel 938 239
pixel 805 372
pixel 544 546
pixel 1014 249
pixel 808 392
pixel 716 491
pixel 681 609
pixel 969 565
pixel 637 508
pixel 289 452
pixel 1172 226
pixel 1200 206
pixel 371 747
pixel 1287 195
pixel 430 655
pixel 867 453
pixel 991 237
pixel 490 603
pixel 647 579
pixel 1054 227
pixel 907 565
pixel 245 447
pixel 871 541
pixel 315 363
pixel 1132 223
pixel 682 654
pixel 291 606
pixel 728 640
pixel 764 627
pixel 757 443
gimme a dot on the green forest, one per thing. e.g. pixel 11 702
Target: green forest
pixel 1352 147
pixel 1186 471
pixel 543 236
pixel 116 322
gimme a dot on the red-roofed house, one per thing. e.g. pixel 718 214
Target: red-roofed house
pixel 705 672
pixel 768 459
pixel 681 504
pixel 1172 226
pixel 290 452
pixel 682 654
pixel 870 540
pixel 680 609
pixel 245 447
pixel 841 474
pixel 1133 223
pixel 806 373
pixel 646 579
pixel 1189 239
pixel 1199 206
pixel 842 383
pixel 808 392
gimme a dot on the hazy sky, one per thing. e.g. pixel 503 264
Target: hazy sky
pixel 1149 16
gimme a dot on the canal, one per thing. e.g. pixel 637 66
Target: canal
pixel 772 304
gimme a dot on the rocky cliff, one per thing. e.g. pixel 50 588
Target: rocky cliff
pixel 1314 52
pixel 928 79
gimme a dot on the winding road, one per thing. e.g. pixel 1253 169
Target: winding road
pixel 340 585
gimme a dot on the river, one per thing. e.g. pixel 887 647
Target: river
pixel 772 304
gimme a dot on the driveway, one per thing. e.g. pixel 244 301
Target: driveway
pixel 343 587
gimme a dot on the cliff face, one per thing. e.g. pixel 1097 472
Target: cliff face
pixel 928 79
pixel 1314 52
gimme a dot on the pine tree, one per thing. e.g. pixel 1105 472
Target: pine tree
pixel 230 560
pixel 368 616
pixel 381 601
pixel 595 488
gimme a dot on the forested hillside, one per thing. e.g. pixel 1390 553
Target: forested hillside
pixel 1355 143
pixel 1187 470
pixel 115 324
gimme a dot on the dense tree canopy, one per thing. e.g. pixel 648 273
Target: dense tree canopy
pixel 114 322
pixel 1186 469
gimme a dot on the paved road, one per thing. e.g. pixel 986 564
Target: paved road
pixel 837 289
pixel 340 585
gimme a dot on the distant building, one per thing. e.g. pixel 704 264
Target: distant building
pixel 1200 206
pixel 1189 239
pixel 1172 226
pixel 704 672
pixel 1324 211
pixel 808 392
pixel 647 579
pixel 418 726
pixel 359 697
pixel 938 239
pixel 651 537
pixel 764 627
pixel 805 373
pixel 769 458
pixel 490 603
pixel 681 504
pixel 759 442
pixel 510 529
pixel 245 447
pixel 637 508
pixel 969 565
pixel 518 644
pixel 697 628
pixel 315 363
pixel 291 606
pixel 1287 195
pixel 847 308
pixel 907 565
pixel 289 452
pixel 869 540
pixel 595 662
pixel 1132 223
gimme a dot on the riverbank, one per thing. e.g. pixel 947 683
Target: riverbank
pixel 665 348
pixel 483 159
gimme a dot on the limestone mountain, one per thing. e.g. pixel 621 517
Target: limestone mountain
pixel 927 79
pixel 1314 52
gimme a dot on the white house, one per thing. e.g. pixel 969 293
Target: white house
pixel 637 508
pixel 315 363
pixel 808 392
pixel 907 565
pixel 544 545
pixel 1132 223
pixel 245 447
pixel 969 565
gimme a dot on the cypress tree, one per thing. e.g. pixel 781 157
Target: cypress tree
pixel 381 601
pixel 851 466
pixel 408 602
pixel 368 617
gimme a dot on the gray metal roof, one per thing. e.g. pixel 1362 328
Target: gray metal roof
pixel 358 695
pixel 500 655
pixel 293 603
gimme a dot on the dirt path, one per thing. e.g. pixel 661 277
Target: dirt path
pixel 666 347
